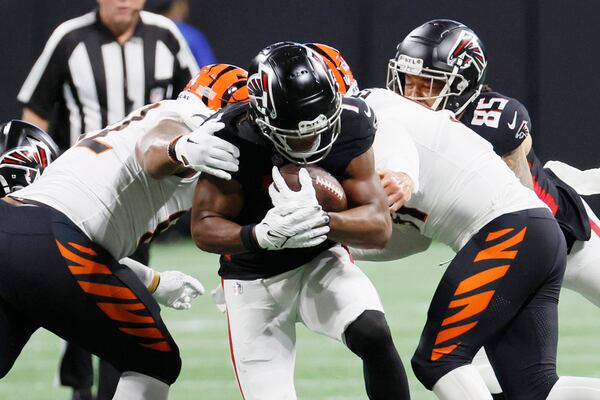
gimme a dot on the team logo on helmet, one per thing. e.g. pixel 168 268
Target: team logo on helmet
pixel 467 51
pixel 25 159
pixel 259 93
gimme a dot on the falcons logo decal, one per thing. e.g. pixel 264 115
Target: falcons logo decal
pixel 23 158
pixel 466 52
pixel 259 85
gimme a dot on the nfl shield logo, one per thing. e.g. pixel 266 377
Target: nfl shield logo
pixel 237 288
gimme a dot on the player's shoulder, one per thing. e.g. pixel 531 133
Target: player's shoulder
pixel 491 109
pixel 500 119
pixel 239 128
pixel 357 119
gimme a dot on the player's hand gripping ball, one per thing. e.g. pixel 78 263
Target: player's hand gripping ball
pixel 329 191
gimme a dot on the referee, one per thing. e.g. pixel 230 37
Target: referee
pixel 97 68
pixel 93 71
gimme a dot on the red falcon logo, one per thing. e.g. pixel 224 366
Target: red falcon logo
pixel 467 51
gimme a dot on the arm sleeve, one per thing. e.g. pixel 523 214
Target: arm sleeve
pixel 43 86
pixel 405 241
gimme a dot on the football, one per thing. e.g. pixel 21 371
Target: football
pixel 330 193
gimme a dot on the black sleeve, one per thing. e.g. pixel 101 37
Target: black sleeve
pixel 43 87
pixel 358 127
pixel 502 121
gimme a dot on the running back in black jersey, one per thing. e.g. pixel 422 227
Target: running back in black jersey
pixel 257 158
pixel 505 123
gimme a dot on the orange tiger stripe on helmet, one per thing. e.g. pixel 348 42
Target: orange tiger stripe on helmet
pixel 218 85
pixel 340 68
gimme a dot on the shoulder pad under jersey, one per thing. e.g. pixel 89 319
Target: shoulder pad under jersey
pixel 501 120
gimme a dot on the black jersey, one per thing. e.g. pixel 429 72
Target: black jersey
pixel 257 158
pixel 505 123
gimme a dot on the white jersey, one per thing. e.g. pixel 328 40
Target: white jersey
pixel 462 183
pixel 100 185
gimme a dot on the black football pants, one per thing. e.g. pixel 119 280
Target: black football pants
pixel 54 277
pixel 76 369
pixel 500 291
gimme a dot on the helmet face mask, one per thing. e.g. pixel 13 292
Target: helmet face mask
pixel 444 52
pixel 442 85
pixel 295 101
pixel 302 145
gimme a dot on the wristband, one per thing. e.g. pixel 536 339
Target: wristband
pixel 171 151
pixel 155 282
pixel 248 240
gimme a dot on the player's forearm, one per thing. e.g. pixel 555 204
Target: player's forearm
pixel 156 161
pixel 152 149
pixel 366 226
pixel 517 162
pixel 215 234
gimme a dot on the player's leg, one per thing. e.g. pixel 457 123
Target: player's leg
pixel 108 378
pixel 484 368
pixel 575 388
pixel 583 263
pixel 338 300
pixel 136 386
pixel 76 290
pixel 76 371
pixel 524 354
pixel 582 275
pixel 261 316
pixel 491 278
pixel 15 331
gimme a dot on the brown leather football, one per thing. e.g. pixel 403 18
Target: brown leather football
pixel 330 193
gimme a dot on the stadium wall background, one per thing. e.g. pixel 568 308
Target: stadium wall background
pixel 542 52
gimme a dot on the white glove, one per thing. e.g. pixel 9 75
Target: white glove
pixel 202 151
pixel 177 290
pixel 281 194
pixel 287 226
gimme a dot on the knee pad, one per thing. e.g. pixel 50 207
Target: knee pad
pixel 369 333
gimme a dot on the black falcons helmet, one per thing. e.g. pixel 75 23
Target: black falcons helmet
pixel 446 51
pixel 293 95
pixel 26 151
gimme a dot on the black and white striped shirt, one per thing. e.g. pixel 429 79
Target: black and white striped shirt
pixel 95 81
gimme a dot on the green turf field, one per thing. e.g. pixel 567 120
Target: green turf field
pixel 325 370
